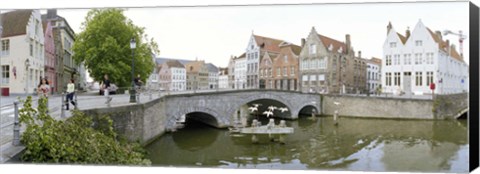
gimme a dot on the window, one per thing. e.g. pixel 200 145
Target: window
pixel 313 49
pixel 256 55
pixel 5 74
pixel 31 48
pixel 388 60
pixel 388 79
pixel 322 64
pixel 429 78
pixel 292 70
pixel 418 78
pixel 5 47
pixel 397 78
pixel 407 60
pixel 393 44
pixel 418 58
pixel 285 58
pixel 418 43
pixel 429 58
pixel 285 71
pixel 278 72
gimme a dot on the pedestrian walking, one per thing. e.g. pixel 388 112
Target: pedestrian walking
pixel 106 87
pixel 43 89
pixel 70 94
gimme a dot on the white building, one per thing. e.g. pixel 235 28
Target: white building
pixel 22 41
pixel 240 72
pixel 257 46
pixel 173 76
pixel 414 61
pixel 374 71
pixel 223 78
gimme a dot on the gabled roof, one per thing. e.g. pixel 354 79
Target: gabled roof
pixel 376 60
pixel 14 23
pixel 335 43
pixel 194 66
pixel 295 48
pixel 174 64
pixel 268 44
pixel 442 45
pixel 402 38
pixel 212 68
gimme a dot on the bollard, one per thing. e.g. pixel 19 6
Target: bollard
pixel 62 110
pixel 76 103
pixel 16 126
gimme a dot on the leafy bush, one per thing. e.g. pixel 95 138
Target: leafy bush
pixel 75 140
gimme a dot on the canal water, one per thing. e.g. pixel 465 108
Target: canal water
pixel 355 144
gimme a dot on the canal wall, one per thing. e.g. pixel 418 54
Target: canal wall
pixel 139 122
pixel 443 107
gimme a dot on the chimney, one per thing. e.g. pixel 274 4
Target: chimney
pixel 303 42
pixel 448 46
pixel 347 42
pixel 407 33
pixel 439 34
pixel 359 54
pixel 51 13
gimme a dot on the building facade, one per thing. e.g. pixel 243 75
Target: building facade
pixel 359 74
pixel 281 71
pixel 212 76
pixel 256 47
pixel 326 64
pixel 416 60
pixel 223 80
pixel 231 72
pixel 173 76
pixel 240 72
pixel 49 55
pixel 64 37
pixel 197 75
pixel 22 51
pixel 374 71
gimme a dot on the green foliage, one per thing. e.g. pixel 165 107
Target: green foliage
pixel 76 140
pixel 104 46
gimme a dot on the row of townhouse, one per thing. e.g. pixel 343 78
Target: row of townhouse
pixel 181 75
pixel 320 64
pixel 414 61
pixel 35 46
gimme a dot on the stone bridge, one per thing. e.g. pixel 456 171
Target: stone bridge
pixel 220 109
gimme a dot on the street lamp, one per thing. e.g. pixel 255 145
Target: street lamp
pixel 27 64
pixel 132 92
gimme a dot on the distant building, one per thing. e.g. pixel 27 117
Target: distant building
pixel 49 46
pixel 374 71
pixel 257 46
pixel 359 84
pixel 172 76
pixel 327 65
pixel 223 79
pixel 212 76
pixel 197 75
pixel 231 72
pixel 22 40
pixel 414 61
pixel 240 72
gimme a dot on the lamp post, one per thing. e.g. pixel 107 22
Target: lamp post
pixel 27 64
pixel 132 92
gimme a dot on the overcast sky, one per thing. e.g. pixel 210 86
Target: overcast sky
pixel 214 34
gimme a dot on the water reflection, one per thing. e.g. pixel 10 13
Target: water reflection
pixel 355 144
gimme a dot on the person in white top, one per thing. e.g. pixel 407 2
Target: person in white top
pixel 70 93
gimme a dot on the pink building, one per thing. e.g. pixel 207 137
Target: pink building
pixel 49 55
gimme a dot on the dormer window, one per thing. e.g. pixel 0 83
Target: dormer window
pixel 313 49
pixel 285 58
pixel 418 43
pixel 340 50
pixel 393 44
pixel 330 47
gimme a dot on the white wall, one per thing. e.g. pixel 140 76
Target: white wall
pixel 179 79
pixel 240 73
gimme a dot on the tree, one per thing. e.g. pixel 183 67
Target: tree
pixel 104 46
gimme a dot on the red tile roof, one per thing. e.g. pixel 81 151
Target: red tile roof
pixel 443 46
pixel 335 43
pixel 268 44
pixel 14 23
pixel 402 38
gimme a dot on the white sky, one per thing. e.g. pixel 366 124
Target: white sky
pixel 215 33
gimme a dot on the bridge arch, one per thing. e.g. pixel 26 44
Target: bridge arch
pixel 263 96
pixel 206 115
